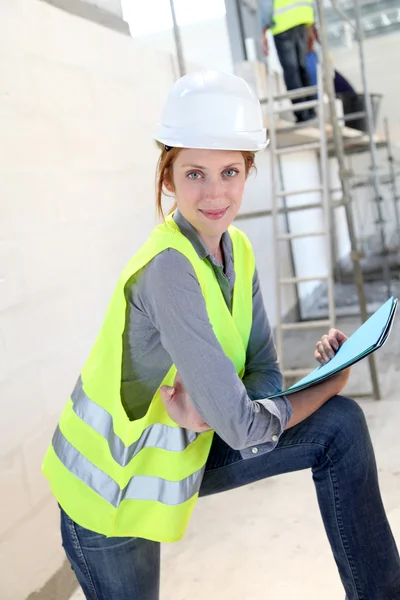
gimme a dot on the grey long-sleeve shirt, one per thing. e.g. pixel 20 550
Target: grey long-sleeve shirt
pixel 167 322
pixel 267 13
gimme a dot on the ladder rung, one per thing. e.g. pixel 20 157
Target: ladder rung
pixel 292 236
pixel 298 93
pixel 298 126
pixel 296 106
pixel 356 115
pixel 288 209
pixel 296 372
pixel 306 324
pixel 313 190
pixel 289 280
pixel 299 148
pixel 283 210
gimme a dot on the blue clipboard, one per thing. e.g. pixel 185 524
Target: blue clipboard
pixel 369 337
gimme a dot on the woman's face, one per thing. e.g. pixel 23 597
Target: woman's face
pixel 208 187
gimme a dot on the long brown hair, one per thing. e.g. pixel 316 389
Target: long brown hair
pixel 164 173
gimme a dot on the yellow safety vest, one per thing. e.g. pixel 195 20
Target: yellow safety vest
pixel 289 13
pixel 141 478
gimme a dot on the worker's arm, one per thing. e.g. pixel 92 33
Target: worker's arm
pixel 264 41
pixel 266 14
pixel 181 409
pixel 171 296
pixel 262 376
pixel 306 402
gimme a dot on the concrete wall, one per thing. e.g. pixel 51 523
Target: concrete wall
pixel 204 43
pixel 112 6
pixel 77 108
pixel 103 12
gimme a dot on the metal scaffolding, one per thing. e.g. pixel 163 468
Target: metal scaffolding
pixel 380 221
pixel 345 183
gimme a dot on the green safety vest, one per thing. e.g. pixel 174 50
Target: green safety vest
pixel 289 13
pixel 141 478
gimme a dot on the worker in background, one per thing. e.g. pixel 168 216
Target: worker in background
pixel 289 22
pixel 340 83
pixel 172 402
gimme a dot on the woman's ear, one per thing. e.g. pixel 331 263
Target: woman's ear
pixel 168 182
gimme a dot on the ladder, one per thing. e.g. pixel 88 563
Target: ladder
pixel 323 89
pixel 281 205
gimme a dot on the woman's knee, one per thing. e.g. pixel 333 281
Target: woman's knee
pixel 347 424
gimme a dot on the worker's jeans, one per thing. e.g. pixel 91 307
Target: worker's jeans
pixel 334 443
pixel 291 47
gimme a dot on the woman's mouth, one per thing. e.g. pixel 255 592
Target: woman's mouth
pixel 214 214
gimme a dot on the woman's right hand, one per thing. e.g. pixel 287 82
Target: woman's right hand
pixel 180 407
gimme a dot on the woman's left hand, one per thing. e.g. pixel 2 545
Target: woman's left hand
pixel 180 407
pixel 328 345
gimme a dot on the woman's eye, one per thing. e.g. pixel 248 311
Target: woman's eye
pixel 230 172
pixel 194 175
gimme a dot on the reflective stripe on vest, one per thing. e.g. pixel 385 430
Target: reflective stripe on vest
pixel 173 439
pixel 139 487
pixel 141 478
pixel 293 5
pixel 288 14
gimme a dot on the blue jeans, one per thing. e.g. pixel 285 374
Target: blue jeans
pixel 291 47
pixel 335 444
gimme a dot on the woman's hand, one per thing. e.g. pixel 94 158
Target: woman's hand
pixel 328 345
pixel 180 407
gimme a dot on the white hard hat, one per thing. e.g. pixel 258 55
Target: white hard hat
pixel 212 110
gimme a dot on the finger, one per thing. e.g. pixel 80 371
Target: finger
pixel 318 357
pixel 339 336
pixel 321 350
pixel 178 383
pixel 167 393
pixel 333 340
pixel 328 349
pixel 204 427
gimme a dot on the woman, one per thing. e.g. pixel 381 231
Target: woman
pixel 135 445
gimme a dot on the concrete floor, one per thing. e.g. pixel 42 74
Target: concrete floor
pixel 267 540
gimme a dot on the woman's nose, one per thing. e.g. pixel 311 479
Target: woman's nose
pixel 213 190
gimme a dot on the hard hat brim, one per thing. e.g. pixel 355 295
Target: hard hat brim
pixel 240 142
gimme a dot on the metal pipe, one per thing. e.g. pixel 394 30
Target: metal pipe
pixel 298 106
pixel 343 173
pixel 178 41
pixel 343 15
pixel 393 181
pixel 323 162
pixel 275 221
pixel 356 115
pixel 241 28
pixel 374 162
pixel 298 93
pixel 287 226
pixel 281 211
